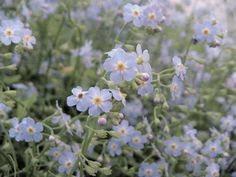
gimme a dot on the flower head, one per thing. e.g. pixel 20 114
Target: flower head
pixel 137 140
pixel 149 170
pixel 213 170
pixel 99 101
pixel 28 39
pixel 125 131
pixel 176 87
pixel 78 99
pixel 10 31
pixel 114 147
pixel 31 131
pixel 153 16
pixel 66 160
pixel 133 13
pixel 180 69
pixel 205 32
pixel 15 131
pixel 212 148
pixel 173 147
pixel 121 65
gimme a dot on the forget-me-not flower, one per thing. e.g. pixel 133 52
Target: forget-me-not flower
pixel 98 101
pixel 121 66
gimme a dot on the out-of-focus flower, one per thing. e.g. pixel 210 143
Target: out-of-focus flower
pixel 180 69
pixel 114 147
pixel 176 87
pixel 10 31
pixel 133 13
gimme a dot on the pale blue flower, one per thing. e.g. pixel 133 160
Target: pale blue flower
pixel 55 152
pixel 114 147
pixel 15 131
pixel 129 112
pixel 176 87
pixel 99 101
pixel 145 87
pixel 205 32
pixel 142 60
pixel 133 13
pixel 31 131
pixel 180 69
pixel 149 170
pixel 173 146
pixel 125 131
pixel 153 16
pixel 228 123
pixel 117 95
pixel 194 162
pixel 137 140
pixel 121 65
pixel 213 170
pixel 10 31
pixel 212 148
pixel 78 99
pixel 28 39
pixel 66 160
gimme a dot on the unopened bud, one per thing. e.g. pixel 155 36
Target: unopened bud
pixel 120 115
pixel 145 77
pixel 51 138
pixel 102 121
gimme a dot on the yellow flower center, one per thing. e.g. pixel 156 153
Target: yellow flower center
pixel 181 67
pixel 27 37
pixel 8 32
pixel 174 87
pixel 31 130
pixel 152 16
pixel 113 146
pixel 120 66
pixel 97 100
pixel 206 31
pixel 140 60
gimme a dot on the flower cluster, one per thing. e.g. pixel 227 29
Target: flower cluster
pixel 13 31
pixel 65 155
pixel 95 100
pixel 201 158
pixel 176 86
pixel 124 66
pixel 208 31
pixel 26 130
pixel 150 15
pixel 128 135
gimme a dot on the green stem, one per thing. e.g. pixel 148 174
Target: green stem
pixel 187 51
pixel 89 135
